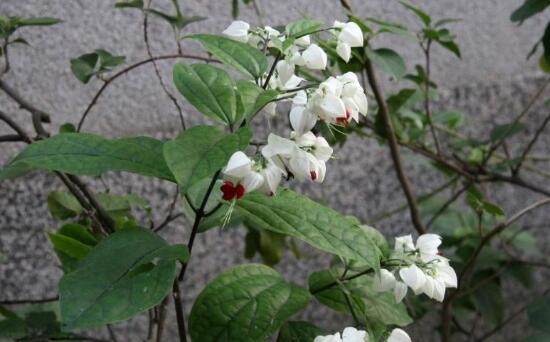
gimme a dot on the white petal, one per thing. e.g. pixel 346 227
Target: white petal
pixel 315 58
pixel 400 291
pixel 439 290
pixel 332 106
pixel 427 245
pixel 321 171
pixel 238 165
pixel 413 277
pixel 350 334
pixel 270 109
pixel 338 24
pixel 271 32
pixel 446 274
pixel 302 120
pixel 360 99
pixel 398 335
pixel 343 50
pixel 277 145
pixel 272 177
pixel 300 99
pixel 252 181
pixel 328 338
pixel 404 244
pixel 351 34
pixel 238 30
pixel 321 149
pixel 285 70
pixel 428 287
pixel 300 165
pixel 303 41
pixel 305 140
pixel 351 108
pixel 331 86
pixel 385 281
pixel 292 83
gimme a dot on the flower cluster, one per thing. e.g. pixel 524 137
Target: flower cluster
pixel 426 271
pixel 336 101
pixel 350 334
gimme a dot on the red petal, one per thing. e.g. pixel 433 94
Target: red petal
pixel 313 175
pixel 239 191
pixel 228 191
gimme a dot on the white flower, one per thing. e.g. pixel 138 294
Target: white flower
pixel 350 334
pixel 326 101
pixel 385 281
pixel 238 30
pixel 353 95
pixel 314 57
pixel 398 335
pixel 285 71
pixel 427 245
pixel 350 36
pixel 413 277
pixel 302 119
pixel 399 291
pixel 303 41
pixel 328 338
pixel 272 175
pixel 271 32
pixel 404 244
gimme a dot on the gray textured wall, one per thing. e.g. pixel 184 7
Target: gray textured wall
pixel 491 83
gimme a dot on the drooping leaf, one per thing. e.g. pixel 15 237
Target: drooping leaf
pixel 302 27
pixel 293 214
pixel 451 46
pixel 199 152
pixel 539 314
pixel 253 98
pixel 528 9
pixel 106 287
pixel 247 303
pixel 209 89
pixel 388 61
pixel 298 331
pixel 243 57
pixel 91 155
pixel 374 307
pixel 423 16
pixel 505 131
pixel 84 66
pixel 130 4
pixel 63 205
pixel 451 119
pixel 72 243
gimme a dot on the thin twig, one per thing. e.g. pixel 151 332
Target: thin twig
pixel 531 144
pixel 156 68
pixel 18 129
pixel 272 70
pixel 427 98
pixel 176 295
pixel 29 301
pixel 446 205
pixel 126 70
pixel 11 138
pixel 394 149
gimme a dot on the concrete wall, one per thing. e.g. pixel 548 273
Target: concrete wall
pixel 491 83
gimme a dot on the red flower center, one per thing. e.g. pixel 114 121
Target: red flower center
pixel 231 191
pixel 344 121
pixel 313 175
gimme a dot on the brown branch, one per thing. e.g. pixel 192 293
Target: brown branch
pixel 394 149
pixel 38 116
pixel 446 312
pixel 28 301
pixel 427 98
pixel 156 68
pixel 11 138
pixel 531 144
pixel 128 69
pixel 18 129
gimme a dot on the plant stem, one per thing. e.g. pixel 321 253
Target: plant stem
pixel 272 70
pixel 427 98
pixel 394 148
pixel 531 144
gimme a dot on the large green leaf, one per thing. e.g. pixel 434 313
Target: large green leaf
pixel 539 314
pixel 199 152
pixel 248 303
pixel 529 8
pixel 128 272
pixel 91 155
pixel 298 332
pixel 372 306
pixel 388 61
pixel 253 98
pixel 324 228
pixel 240 56
pixel 209 89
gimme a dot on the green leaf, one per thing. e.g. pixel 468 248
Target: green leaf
pixel 12 328
pixel 130 4
pixel 63 205
pixel 302 27
pixel 67 128
pixel 71 245
pixel 424 17
pixel 247 303
pixel 546 45
pixel 296 215
pixel 505 131
pixel 37 21
pixel 492 209
pixel 91 155
pixel 209 89
pixel 539 314
pixel 105 286
pixel 298 331
pixel 528 9
pixel 449 118
pixel 243 57
pixel 108 60
pixel 451 46
pixel 83 67
pixel 374 307
pixel 388 61
pixel 199 152
pixel 253 98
